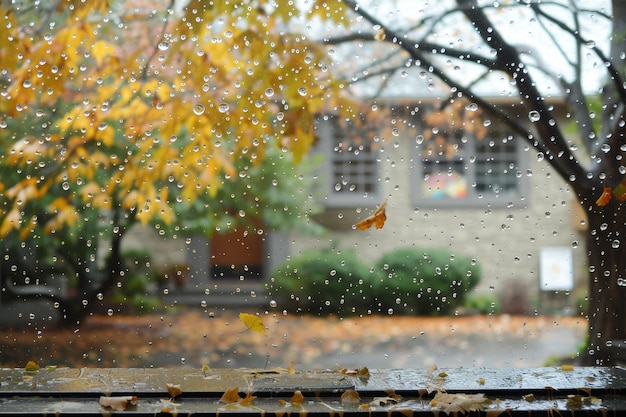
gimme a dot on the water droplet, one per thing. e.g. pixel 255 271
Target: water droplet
pixel 269 92
pixel 273 303
pixel 302 91
pixel 100 296
pixel 223 108
pixel 534 116
pixel 110 312
pixel 164 46
pixel 615 244
pixel 203 303
pixel 471 107
pixel 198 109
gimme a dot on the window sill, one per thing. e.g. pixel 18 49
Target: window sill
pixel 511 391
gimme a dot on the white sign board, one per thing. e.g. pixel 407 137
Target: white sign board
pixel 556 271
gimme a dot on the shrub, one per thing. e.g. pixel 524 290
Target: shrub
pixel 424 281
pixel 322 282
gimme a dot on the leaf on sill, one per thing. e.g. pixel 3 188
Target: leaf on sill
pixel 377 218
pixel 31 366
pixel 247 400
pixel 297 397
pixel 458 403
pixel 380 401
pixel 364 371
pixel 174 390
pixel 118 403
pixel 577 401
pixel 252 322
pixel 230 396
pixel 350 397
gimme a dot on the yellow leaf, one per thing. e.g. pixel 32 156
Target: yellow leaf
pixel 604 199
pixel 230 396
pixel 252 322
pixel 378 218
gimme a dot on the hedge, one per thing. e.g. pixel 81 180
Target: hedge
pixel 403 281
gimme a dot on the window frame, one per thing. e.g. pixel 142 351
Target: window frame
pixel 473 198
pixel 327 133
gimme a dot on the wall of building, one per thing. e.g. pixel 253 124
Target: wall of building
pixel 506 242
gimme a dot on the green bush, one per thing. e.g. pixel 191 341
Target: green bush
pixel 322 282
pixel 424 281
pixel 483 304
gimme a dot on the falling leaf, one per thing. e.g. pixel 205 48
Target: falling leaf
pixel 118 403
pixel 377 218
pixel 620 191
pixel 252 322
pixel 604 199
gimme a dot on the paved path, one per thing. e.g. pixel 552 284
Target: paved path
pixel 193 337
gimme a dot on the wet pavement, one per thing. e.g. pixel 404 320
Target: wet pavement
pixel 193 337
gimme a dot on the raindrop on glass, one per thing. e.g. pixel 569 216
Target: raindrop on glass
pixel 198 109
pixel 534 116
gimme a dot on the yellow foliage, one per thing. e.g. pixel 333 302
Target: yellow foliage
pixel 164 103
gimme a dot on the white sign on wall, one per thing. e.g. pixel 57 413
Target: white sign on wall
pixel 556 271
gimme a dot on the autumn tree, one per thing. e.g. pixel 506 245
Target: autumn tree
pixel 114 113
pixel 467 45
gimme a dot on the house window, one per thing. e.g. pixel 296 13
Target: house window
pixel 464 169
pixel 351 168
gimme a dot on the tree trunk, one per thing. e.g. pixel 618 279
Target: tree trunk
pixel 606 240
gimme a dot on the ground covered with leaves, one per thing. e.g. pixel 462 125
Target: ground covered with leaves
pixel 196 337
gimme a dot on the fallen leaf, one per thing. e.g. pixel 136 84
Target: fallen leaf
pixel 31 366
pixel 380 401
pixel 350 397
pixel 230 396
pixel 174 390
pixel 247 400
pixel 377 218
pixel 297 397
pixel 118 403
pixel 458 403
pixel 252 322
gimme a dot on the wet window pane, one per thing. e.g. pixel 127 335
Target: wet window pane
pixel 392 184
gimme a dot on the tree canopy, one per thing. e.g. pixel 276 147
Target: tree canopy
pixel 113 113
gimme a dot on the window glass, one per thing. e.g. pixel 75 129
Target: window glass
pixel 324 183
